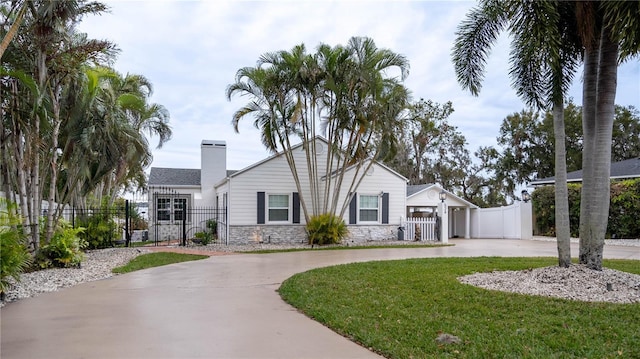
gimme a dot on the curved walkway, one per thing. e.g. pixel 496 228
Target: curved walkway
pixel 220 307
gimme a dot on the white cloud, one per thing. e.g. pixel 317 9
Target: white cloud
pixel 191 50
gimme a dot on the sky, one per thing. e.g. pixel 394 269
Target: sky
pixel 191 51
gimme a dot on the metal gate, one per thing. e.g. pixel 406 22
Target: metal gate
pixel 173 220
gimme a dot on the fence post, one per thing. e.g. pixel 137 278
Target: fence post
pixel 127 217
pixel 184 226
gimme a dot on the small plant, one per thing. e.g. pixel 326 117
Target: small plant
pixel 203 238
pixel 64 250
pixel 100 229
pixel 212 226
pixel 326 229
pixel 14 256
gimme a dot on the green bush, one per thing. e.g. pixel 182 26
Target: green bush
pixel 326 229
pixel 623 210
pixel 204 238
pixel 544 204
pixel 101 230
pixel 212 226
pixel 14 255
pixel 64 250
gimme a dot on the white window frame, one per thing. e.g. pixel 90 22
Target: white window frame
pixel 172 201
pixel 268 208
pixel 377 208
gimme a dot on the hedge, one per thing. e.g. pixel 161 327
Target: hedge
pixel 624 209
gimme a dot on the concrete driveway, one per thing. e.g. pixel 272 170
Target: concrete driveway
pixel 221 307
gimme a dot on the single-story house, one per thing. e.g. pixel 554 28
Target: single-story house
pixel 619 170
pixel 261 202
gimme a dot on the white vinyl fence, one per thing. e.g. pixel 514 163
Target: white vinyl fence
pixel 420 229
pixel 510 222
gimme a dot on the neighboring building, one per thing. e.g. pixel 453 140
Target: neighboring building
pixel 619 170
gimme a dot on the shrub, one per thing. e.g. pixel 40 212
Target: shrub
pixel 14 255
pixel 326 229
pixel 623 210
pixel 204 238
pixel 100 229
pixel 212 226
pixel 64 250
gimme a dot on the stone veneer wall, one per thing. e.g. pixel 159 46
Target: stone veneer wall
pixel 165 232
pixel 296 234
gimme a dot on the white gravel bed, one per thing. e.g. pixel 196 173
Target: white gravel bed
pixel 576 283
pixel 96 265
pixel 608 242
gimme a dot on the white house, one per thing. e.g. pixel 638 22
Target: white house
pixel 262 202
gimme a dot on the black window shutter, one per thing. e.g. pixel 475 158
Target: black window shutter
pixel 353 209
pixel 260 207
pixel 385 208
pixel 296 207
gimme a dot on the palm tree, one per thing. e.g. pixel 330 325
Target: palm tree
pixel 340 92
pixel 48 49
pixel 104 143
pixel 543 61
pixel 610 34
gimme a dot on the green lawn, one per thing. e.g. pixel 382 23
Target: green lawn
pixel 155 260
pixel 398 308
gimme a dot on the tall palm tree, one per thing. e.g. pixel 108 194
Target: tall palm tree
pixel 543 61
pixel 49 50
pixel 340 92
pixel 610 34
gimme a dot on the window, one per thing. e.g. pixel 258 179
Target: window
pixel 369 208
pixel 278 208
pixel 172 208
pixel 179 208
pixel 164 209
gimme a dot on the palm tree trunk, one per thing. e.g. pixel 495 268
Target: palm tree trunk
pixel 596 220
pixel 53 179
pixel 6 40
pixel 589 96
pixel 563 229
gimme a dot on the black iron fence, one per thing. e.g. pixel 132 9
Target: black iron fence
pixel 123 225
pixel 189 225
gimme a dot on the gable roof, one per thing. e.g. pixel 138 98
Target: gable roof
pixel 619 170
pixel 413 190
pixel 159 176
pixel 293 148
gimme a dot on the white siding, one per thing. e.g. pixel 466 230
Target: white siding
pixel 376 182
pixel 274 177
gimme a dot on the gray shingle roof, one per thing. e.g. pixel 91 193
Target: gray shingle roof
pixel 174 177
pixel 622 169
pixel 415 188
